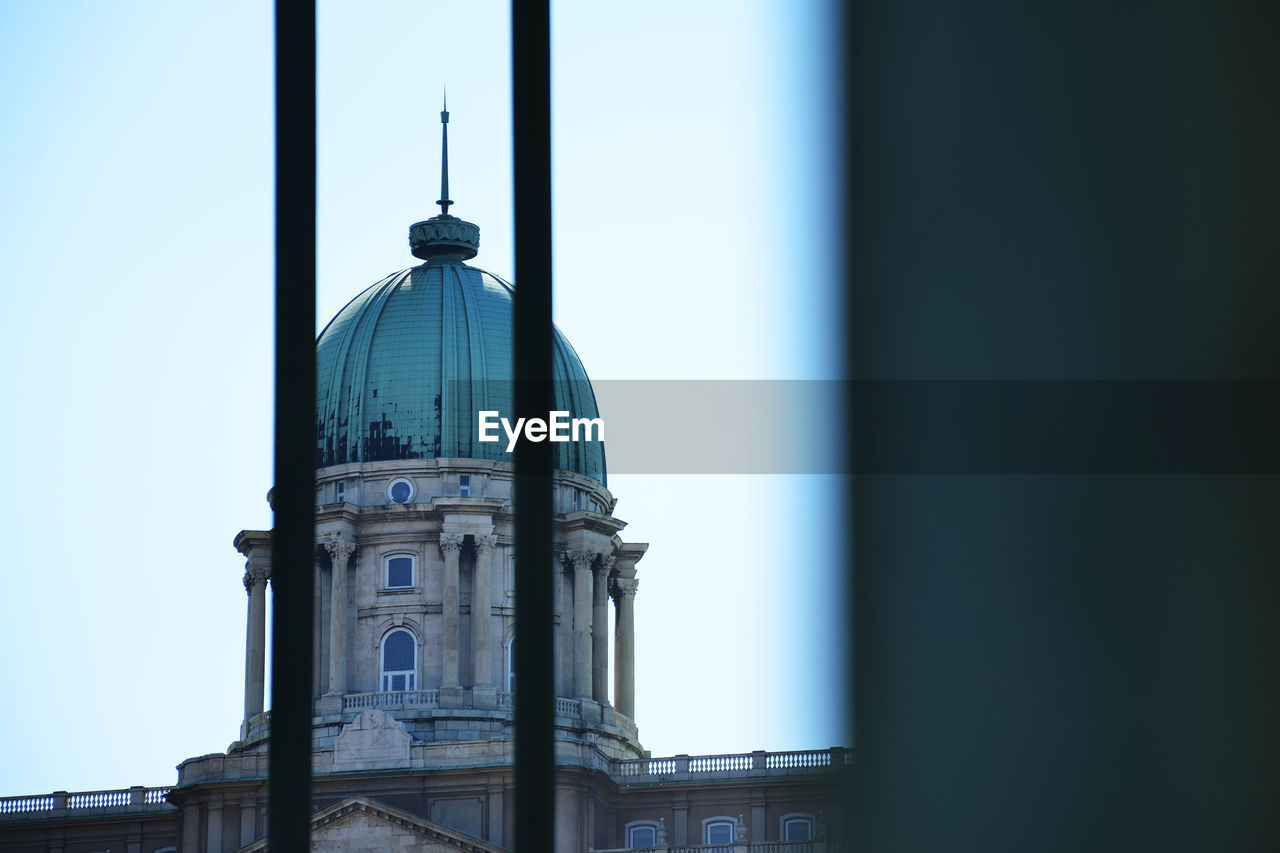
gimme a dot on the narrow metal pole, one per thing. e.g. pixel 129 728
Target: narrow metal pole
pixel 293 500
pixel 531 122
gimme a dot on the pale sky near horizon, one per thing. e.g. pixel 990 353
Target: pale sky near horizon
pixel 695 180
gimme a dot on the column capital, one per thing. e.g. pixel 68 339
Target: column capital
pixel 340 551
pixel 255 575
pixel 606 564
pixel 485 544
pixel 450 543
pixel 579 558
pixel 626 586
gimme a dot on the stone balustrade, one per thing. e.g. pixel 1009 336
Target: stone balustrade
pixel 395 698
pixel 633 771
pixel 430 699
pixel 744 847
pixel 60 803
pixel 760 763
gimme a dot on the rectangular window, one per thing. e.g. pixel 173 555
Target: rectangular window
pixel 464 485
pixel 340 492
pixel 399 572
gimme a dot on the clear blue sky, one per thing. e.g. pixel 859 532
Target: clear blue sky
pixel 693 178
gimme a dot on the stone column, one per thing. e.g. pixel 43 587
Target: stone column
pixel 559 623
pixel 340 552
pixel 481 609
pixel 255 656
pixel 213 826
pixel 191 829
pixel 450 545
pixel 624 648
pixel 681 823
pixel 600 632
pixel 581 560
pixel 248 821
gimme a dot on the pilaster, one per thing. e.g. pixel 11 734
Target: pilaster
pixel 450 686
pixel 340 552
pixel 484 693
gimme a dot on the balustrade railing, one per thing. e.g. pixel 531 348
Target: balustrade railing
pixel 733 763
pixel 20 805
pixel 430 698
pixel 415 698
pixel 760 847
pixel 99 799
pixel 714 763
pixel 135 799
pixel 798 759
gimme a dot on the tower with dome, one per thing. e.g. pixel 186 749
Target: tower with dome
pixel 412 732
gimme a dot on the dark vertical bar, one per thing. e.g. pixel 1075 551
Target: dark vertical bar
pixel 531 121
pixel 293 536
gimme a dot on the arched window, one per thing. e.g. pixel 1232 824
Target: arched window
pixel 797 827
pixel 399 651
pixel 717 830
pixel 642 834
pixel 511 664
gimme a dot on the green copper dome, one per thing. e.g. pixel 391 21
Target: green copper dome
pixel 405 367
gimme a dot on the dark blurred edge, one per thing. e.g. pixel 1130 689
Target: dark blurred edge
pixel 531 128
pixel 1057 663
pixel 293 496
pixel 1066 427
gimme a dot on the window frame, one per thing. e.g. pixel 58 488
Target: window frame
pixel 797 817
pixel 386 676
pixel 709 822
pixel 386 571
pixel 413 490
pixel 632 826
pixel 464 485
pixel 511 664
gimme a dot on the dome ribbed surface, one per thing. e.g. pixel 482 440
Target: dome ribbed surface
pixel 404 368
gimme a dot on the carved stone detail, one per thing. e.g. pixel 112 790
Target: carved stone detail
pixel 485 544
pixel 341 551
pixel 374 740
pixel 577 556
pixel 450 542
pixel 255 575
pixel 625 586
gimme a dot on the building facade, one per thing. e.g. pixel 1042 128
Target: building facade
pixel 415 625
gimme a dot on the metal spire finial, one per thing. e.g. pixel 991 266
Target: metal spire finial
pixel 444 201
pixel 443 238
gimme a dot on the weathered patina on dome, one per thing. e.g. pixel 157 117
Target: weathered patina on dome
pixel 403 369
